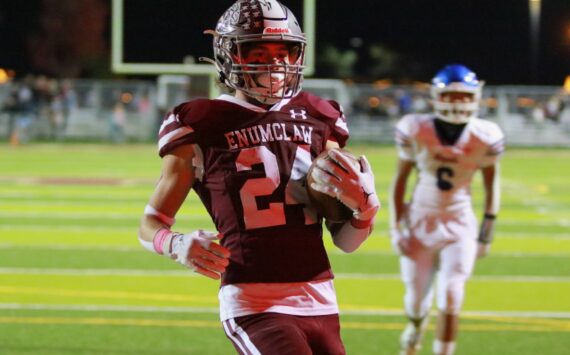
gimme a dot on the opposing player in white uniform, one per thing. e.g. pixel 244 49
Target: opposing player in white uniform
pixel 436 232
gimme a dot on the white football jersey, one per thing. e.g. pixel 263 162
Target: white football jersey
pixel 445 172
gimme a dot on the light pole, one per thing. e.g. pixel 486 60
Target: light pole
pixel 534 10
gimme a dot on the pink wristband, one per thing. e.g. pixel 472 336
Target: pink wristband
pixel 358 224
pixel 159 238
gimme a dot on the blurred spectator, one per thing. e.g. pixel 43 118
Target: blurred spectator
pixel 118 123
pixel 64 102
pixel 22 103
pixel 537 113
pixel 10 106
pixel 420 104
pixel 392 107
pixel 404 100
pixel 553 108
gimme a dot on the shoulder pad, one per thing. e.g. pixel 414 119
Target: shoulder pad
pixel 192 112
pixel 330 112
pixel 179 125
pixel 487 131
pixel 409 124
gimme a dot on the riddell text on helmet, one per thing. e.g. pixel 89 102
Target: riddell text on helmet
pixel 276 30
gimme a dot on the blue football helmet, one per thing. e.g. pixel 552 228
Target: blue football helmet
pixel 456 78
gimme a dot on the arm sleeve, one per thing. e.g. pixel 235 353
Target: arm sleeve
pixel 403 139
pixel 346 237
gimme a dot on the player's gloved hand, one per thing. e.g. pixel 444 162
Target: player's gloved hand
pixel 485 235
pixel 400 237
pixel 351 181
pixel 483 250
pixel 198 252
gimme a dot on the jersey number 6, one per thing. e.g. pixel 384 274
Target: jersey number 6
pixel 443 173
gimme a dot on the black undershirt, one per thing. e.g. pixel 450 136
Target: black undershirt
pixel 448 133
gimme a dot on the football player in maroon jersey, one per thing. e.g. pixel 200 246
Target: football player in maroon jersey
pixel 246 156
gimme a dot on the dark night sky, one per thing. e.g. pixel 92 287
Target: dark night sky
pixel 490 36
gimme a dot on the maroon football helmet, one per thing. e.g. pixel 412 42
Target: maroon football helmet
pixel 246 25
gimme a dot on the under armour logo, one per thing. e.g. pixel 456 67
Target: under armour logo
pixel 298 114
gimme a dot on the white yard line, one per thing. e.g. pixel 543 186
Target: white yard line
pixel 95 272
pixel 71 247
pixel 105 308
pixel 507 278
pixel 518 254
pixel 86 215
pixel 69 215
pixel 136 248
pixel 65 228
pixel 186 273
pixel 212 310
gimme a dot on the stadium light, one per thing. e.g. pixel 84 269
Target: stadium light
pixel 534 12
pixel 4 77
pixel 567 85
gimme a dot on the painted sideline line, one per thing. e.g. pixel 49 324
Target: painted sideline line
pixel 186 273
pixel 214 310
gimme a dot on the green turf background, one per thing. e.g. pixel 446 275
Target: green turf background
pixel 68 221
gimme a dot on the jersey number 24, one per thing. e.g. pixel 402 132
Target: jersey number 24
pixel 266 186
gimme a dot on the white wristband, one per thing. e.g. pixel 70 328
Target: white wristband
pixel 151 211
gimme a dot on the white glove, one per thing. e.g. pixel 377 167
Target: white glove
pixel 400 237
pixel 352 183
pixel 483 250
pixel 197 251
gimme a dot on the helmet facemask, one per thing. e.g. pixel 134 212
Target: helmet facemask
pixel 456 105
pixel 270 71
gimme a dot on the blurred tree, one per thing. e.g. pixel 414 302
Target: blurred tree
pixel 366 63
pixel 332 62
pixel 70 39
pixel 383 61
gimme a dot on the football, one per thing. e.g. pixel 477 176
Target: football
pixel 326 206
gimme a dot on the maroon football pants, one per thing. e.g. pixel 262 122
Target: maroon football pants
pixel 284 334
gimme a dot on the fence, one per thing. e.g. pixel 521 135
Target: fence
pixel 120 111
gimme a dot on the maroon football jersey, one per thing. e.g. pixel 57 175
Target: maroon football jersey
pixel 250 168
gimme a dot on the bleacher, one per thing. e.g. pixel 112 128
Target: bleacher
pixel 121 111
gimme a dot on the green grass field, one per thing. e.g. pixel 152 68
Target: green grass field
pixel 74 280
